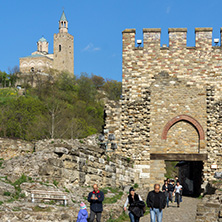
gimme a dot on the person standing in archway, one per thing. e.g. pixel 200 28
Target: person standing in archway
pixel 156 201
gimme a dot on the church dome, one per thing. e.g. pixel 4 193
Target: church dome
pixel 42 40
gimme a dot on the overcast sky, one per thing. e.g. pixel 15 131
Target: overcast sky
pixel 97 27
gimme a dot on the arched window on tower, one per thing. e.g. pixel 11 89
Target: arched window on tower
pixel 64 24
pixel 60 48
pixel 40 48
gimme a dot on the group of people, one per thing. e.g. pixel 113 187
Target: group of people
pixel 156 201
pixel 172 188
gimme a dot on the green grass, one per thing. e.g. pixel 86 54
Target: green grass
pixel 114 199
pixel 7 94
pixel 17 194
pixel 66 190
pixel 16 209
pixel 39 209
pixel 105 190
pixel 55 183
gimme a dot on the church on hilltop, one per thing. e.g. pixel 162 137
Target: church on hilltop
pixel 62 59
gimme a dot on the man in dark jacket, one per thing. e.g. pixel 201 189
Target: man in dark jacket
pixel 96 198
pixel 156 201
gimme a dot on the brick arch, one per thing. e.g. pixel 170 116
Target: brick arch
pixel 187 118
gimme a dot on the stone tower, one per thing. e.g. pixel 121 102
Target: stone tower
pixel 170 107
pixel 63 47
pixel 42 45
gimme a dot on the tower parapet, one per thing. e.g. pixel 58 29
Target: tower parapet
pixel 203 37
pixel 177 37
pixel 151 37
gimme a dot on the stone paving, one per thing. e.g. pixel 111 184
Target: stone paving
pixel 185 213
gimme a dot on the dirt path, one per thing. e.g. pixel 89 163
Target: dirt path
pixel 185 213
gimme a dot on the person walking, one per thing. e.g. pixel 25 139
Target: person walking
pixel 165 189
pixel 171 189
pixel 83 214
pixel 156 201
pixel 135 208
pixel 95 198
pixel 178 192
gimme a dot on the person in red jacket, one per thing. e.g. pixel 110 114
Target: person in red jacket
pixel 95 199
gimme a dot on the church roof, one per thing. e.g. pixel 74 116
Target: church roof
pixel 42 40
pixel 63 17
pixel 37 56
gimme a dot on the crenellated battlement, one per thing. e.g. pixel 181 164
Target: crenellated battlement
pixel 177 37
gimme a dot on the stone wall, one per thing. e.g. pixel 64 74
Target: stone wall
pixel 71 163
pixel 10 148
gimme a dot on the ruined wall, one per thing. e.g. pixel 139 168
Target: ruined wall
pixel 210 207
pixel 10 148
pixel 71 163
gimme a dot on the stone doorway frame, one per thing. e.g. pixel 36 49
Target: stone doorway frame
pixel 190 120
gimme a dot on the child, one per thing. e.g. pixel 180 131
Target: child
pixel 83 214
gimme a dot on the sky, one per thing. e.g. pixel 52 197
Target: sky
pixel 97 27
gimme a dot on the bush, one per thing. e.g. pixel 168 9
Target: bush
pixel 136 185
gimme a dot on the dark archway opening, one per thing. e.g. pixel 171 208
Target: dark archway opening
pixel 191 177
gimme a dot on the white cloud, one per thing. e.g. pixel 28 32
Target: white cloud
pixel 168 10
pixel 91 48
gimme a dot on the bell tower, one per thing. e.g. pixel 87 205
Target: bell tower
pixel 63 23
pixel 63 47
